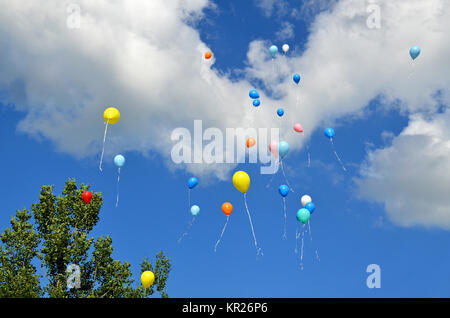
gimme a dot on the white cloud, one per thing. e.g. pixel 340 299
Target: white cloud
pixel 143 58
pixel 412 176
pixel 286 31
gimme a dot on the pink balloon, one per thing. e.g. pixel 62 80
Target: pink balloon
pixel 273 148
pixel 298 128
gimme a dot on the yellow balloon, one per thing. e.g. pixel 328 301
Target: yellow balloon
pixel 147 279
pixel 241 181
pixel 111 115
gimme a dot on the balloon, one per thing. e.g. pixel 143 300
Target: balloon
pixel 119 160
pixel 253 94
pixel 414 52
pixel 147 279
pixel 87 196
pixel 303 215
pixel 192 182
pixel 329 132
pixel 195 209
pixel 273 50
pixel 298 128
pixel 251 142
pixel 256 102
pixel 296 78
pixel 273 148
pixel 305 199
pixel 283 149
pixel 280 112
pixel 241 181
pixel 227 208
pixel 285 48
pixel 111 115
pixel 310 207
pixel 208 55
pixel 284 190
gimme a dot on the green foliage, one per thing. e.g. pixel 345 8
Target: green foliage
pixel 59 237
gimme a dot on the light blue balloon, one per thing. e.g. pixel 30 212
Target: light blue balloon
pixel 119 161
pixel 195 209
pixel 273 50
pixel 310 207
pixel 192 182
pixel 329 132
pixel 414 52
pixel 253 94
pixel 280 112
pixel 256 102
pixel 303 215
pixel 283 149
pixel 284 190
pixel 296 78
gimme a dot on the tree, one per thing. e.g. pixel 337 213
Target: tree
pixel 57 238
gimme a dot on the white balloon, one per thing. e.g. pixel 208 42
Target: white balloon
pixel 285 48
pixel 306 199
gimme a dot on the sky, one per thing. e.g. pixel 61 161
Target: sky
pixel 391 207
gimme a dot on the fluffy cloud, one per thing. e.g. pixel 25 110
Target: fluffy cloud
pixel 146 59
pixel 411 177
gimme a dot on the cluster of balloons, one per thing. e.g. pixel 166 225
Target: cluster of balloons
pixel 273 50
pixel 308 207
pixel 254 95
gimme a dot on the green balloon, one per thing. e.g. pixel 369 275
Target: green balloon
pixel 303 215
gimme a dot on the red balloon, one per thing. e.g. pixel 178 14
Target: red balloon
pixel 298 128
pixel 87 196
pixel 273 148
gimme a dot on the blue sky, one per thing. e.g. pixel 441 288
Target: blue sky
pixel 349 232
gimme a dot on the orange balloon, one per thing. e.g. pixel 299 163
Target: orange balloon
pixel 251 142
pixel 208 55
pixel 227 208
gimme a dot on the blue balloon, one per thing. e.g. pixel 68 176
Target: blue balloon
pixel 273 50
pixel 414 52
pixel 296 78
pixel 329 132
pixel 283 149
pixel 195 209
pixel 310 207
pixel 119 160
pixel 192 182
pixel 256 102
pixel 284 190
pixel 253 94
pixel 280 112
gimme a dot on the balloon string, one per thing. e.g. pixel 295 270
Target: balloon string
pixel 221 235
pixel 282 170
pixel 118 180
pixel 103 148
pixel 310 236
pixel 412 69
pixel 258 250
pixel 297 235
pixel 301 255
pixel 189 198
pixel 284 228
pixel 309 157
pixel 187 230
pixel 335 153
